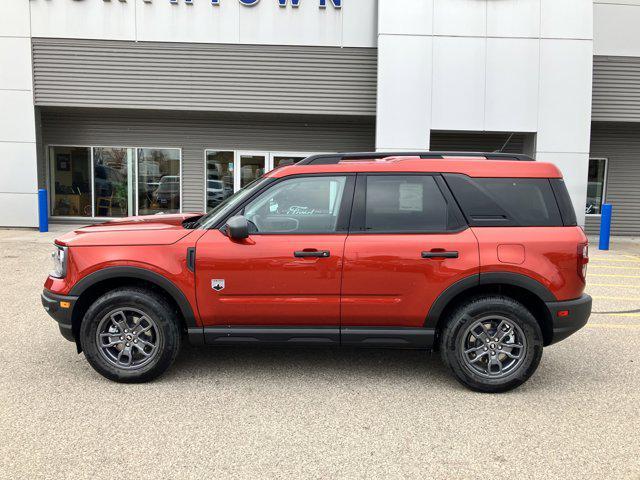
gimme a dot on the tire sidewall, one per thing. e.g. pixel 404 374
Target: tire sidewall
pixel 463 317
pixel 150 304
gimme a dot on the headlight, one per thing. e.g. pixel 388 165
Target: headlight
pixel 59 262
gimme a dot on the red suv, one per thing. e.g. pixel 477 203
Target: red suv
pixel 477 255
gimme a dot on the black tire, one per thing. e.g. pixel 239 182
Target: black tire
pixel 480 312
pixel 165 334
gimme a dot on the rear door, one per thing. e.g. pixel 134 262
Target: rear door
pixel 408 242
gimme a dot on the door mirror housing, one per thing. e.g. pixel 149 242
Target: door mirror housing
pixel 237 228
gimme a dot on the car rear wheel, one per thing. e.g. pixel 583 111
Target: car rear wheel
pixel 130 335
pixel 491 343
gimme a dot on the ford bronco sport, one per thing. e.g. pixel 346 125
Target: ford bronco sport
pixel 476 255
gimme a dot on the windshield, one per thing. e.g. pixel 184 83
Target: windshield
pixel 229 204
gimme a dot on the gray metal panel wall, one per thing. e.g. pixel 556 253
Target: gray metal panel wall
pixel 210 77
pixel 620 143
pixel 616 89
pixel 476 142
pixel 195 131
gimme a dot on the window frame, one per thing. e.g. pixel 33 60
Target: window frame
pixel 344 216
pixel 179 170
pixel 358 209
pixel 604 185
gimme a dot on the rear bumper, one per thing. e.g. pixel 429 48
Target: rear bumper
pixel 579 312
pixel 60 312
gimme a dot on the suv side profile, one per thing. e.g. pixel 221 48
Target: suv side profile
pixel 478 256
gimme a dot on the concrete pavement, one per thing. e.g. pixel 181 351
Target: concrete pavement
pixel 275 413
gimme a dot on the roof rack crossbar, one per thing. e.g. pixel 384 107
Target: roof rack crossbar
pixel 333 158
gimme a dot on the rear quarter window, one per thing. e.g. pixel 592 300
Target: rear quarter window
pixel 523 202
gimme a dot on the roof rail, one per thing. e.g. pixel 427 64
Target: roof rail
pixel 332 158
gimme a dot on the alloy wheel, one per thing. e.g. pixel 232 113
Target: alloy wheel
pixel 128 338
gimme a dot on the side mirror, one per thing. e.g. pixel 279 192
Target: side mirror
pixel 237 228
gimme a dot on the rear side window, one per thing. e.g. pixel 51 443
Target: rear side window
pixel 524 202
pixel 404 203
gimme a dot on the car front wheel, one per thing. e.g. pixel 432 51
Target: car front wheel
pixel 130 335
pixel 492 343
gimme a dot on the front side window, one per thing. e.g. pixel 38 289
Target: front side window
pixel 596 185
pixel 158 180
pixel 298 205
pixel 404 203
pixel 70 181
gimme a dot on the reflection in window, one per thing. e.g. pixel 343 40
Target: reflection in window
pixel 158 180
pixel 251 168
pixel 70 181
pixel 219 181
pixel 283 160
pixel 111 175
pixel 595 185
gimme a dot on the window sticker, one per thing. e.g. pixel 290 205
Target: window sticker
pixel 410 197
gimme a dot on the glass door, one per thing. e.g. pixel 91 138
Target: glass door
pixel 249 166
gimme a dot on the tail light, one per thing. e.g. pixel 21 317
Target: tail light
pixel 583 259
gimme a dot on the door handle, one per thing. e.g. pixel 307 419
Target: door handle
pixel 312 253
pixel 440 254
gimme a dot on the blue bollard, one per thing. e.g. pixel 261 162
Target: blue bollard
pixel 43 211
pixel 605 226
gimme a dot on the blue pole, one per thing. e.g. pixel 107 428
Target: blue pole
pixel 605 226
pixel 43 211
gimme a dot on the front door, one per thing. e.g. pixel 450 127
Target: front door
pixel 288 271
pixel 407 245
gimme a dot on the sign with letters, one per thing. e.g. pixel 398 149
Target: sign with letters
pixel 251 3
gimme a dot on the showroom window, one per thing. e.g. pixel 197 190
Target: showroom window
pixel 158 180
pixel 596 186
pixel 70 181
pixel 113 181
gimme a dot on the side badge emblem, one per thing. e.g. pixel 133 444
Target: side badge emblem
pixel 217 284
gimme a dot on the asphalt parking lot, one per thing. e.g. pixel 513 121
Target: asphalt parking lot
pixel 275 413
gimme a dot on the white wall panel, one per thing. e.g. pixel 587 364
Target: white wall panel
pixel 405 17
pixel 513 18
pixel 404 92
pixel 15 63
pixel 565 96
pixel 615 30
pixel 567 19
pixel 19 167
pixel 355 24
pixel 17 121
pixel 200 22
pixel 19 209
pixel 512 85
pixel 574 167
pixel 360 23
pixel 307 24
pixel 83 19
pixel 458 83
pixel 14 20
pixel 460 17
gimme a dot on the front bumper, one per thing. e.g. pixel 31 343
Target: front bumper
pixel 60 308
pixel 578 310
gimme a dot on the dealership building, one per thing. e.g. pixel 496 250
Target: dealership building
pixel 125 107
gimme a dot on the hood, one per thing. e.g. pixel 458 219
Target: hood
pixel 142 230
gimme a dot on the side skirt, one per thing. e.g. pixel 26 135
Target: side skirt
pixel 368 337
